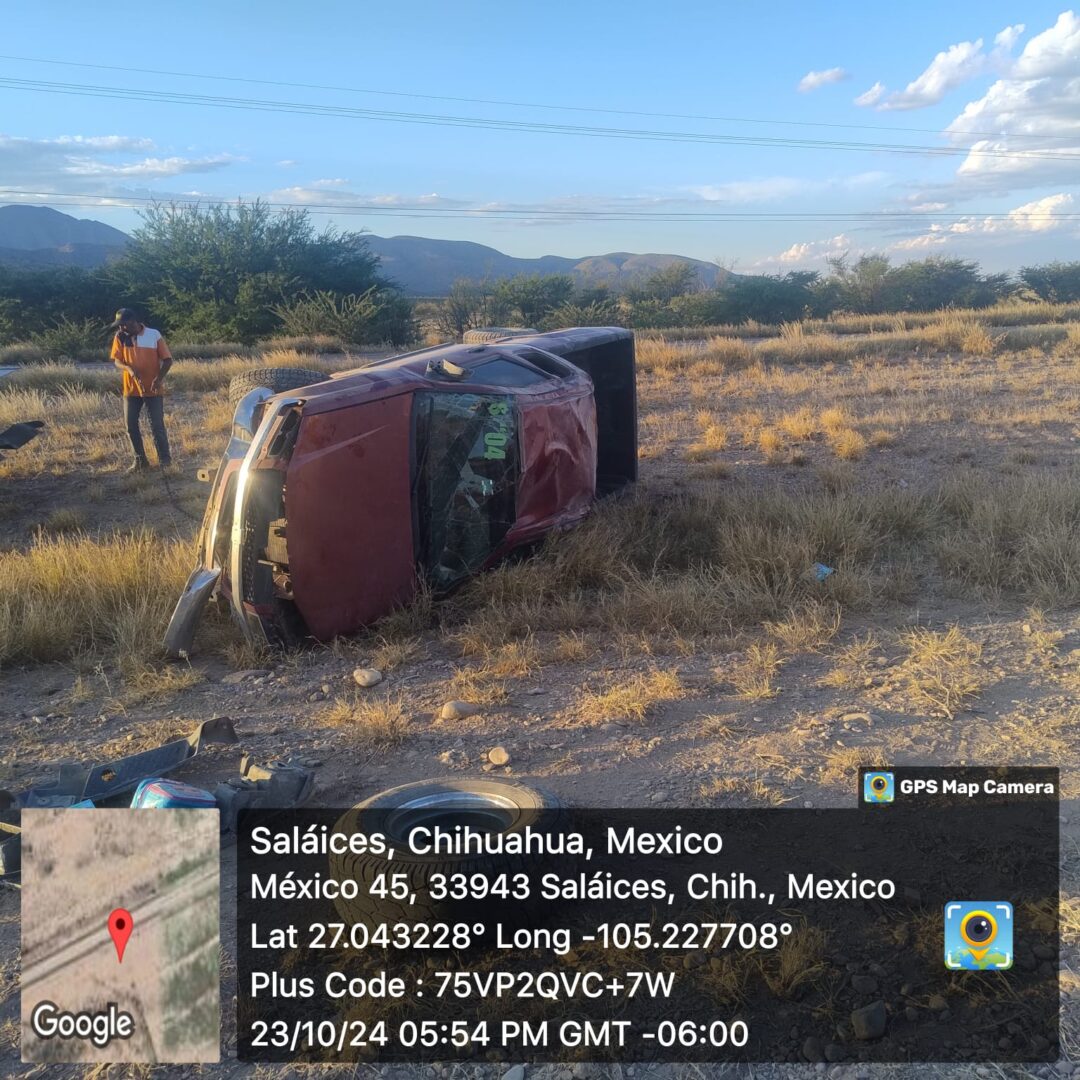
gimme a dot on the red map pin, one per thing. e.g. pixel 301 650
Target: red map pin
pixel 120 925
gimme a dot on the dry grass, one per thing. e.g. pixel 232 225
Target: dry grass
pixel 771 444
pixel 156 683
pixel 69 596
pixel 798 425
pixel 572 647
pixel 848 444
pixel 806 628
pixel 477 686
pixel 842 763
pixel 752 676
pixel 795 964
pixel 853 664
pixel 633 699
pixel 738 791
pixel 366 721
pixel 389 655
pixel 941 668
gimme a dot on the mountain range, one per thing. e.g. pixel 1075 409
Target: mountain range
pixel 38 236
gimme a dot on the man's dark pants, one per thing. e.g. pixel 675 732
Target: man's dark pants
pixel 155 408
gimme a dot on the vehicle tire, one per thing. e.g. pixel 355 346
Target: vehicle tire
pixel 495 333
pixel 277 379
pixel 507 805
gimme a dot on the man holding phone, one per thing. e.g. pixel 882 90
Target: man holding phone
pixel 142 355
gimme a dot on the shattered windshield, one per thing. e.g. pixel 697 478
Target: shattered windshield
pixel 465 481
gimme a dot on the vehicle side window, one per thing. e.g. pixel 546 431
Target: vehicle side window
pixel 465 481
pixel 503 372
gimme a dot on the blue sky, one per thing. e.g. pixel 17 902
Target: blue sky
pixel 920 74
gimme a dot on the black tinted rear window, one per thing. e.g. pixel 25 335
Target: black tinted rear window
pixel 502 372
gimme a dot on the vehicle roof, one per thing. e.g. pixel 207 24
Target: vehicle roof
pixel 397 374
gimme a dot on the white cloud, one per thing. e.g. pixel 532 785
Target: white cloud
pixel 871 96
pixel 1033 218
pixel 65 163
pixel 808 254
pixel 146 169
pixel 1053 52
pixel 814 80
pixel 1037 102
pixel 950 68
pixel 776 188
pixel 955 66
pixel 767 189
pixel 1007 38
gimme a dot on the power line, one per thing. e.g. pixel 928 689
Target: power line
pixel 525 104
pixel 532 127
pixel 86 199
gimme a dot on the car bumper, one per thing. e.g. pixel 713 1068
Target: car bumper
pixel 189 608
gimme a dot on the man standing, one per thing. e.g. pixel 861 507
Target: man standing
pixel 144 358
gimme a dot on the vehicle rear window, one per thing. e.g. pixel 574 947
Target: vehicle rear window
pixel 503 372
pixel 546 362
pixel 464 481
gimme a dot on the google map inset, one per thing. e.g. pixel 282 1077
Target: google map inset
pixel 120 936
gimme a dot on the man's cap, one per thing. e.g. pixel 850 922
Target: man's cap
pixel 125 314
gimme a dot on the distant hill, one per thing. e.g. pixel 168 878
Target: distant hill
pixel 426 267
pixel 38 236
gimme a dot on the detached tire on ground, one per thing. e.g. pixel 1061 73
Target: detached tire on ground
pixel 277 379
pixel 493 806
pixel 495 333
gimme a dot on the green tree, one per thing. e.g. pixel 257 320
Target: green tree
pixel 1056 282
pixel 663 285
pixel 470 304
pixel 939 282
pixel 217 272
pixel 861 287
pixel 535 296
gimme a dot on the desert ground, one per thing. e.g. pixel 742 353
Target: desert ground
pixel 677 644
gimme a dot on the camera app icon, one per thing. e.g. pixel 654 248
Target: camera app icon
pixel 878 787
pixel 978 935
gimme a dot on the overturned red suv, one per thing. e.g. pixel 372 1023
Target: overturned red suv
pixel 335 499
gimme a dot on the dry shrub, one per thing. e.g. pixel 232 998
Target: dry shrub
pixel 752 676
pixel 738 791
pixel 477 686
pixel 807 627
pixel 977 342
pixel 368 721
pixel 795 964
pixel 834 420
pixel 848 444
pixel 881 438
pixel 572 647
pixel 152 683
pixel 853 663
pixel 771 444
pixel 843 763
pixel 67 596
pixel 632 699
pixel 728 352
pixel 388 655
pixel 657 355
pixel 1013 535
pixel 799 425
pixel 941 669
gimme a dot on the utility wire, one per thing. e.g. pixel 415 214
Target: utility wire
pixel 87 199
pixel 531 127
pixel 526 104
